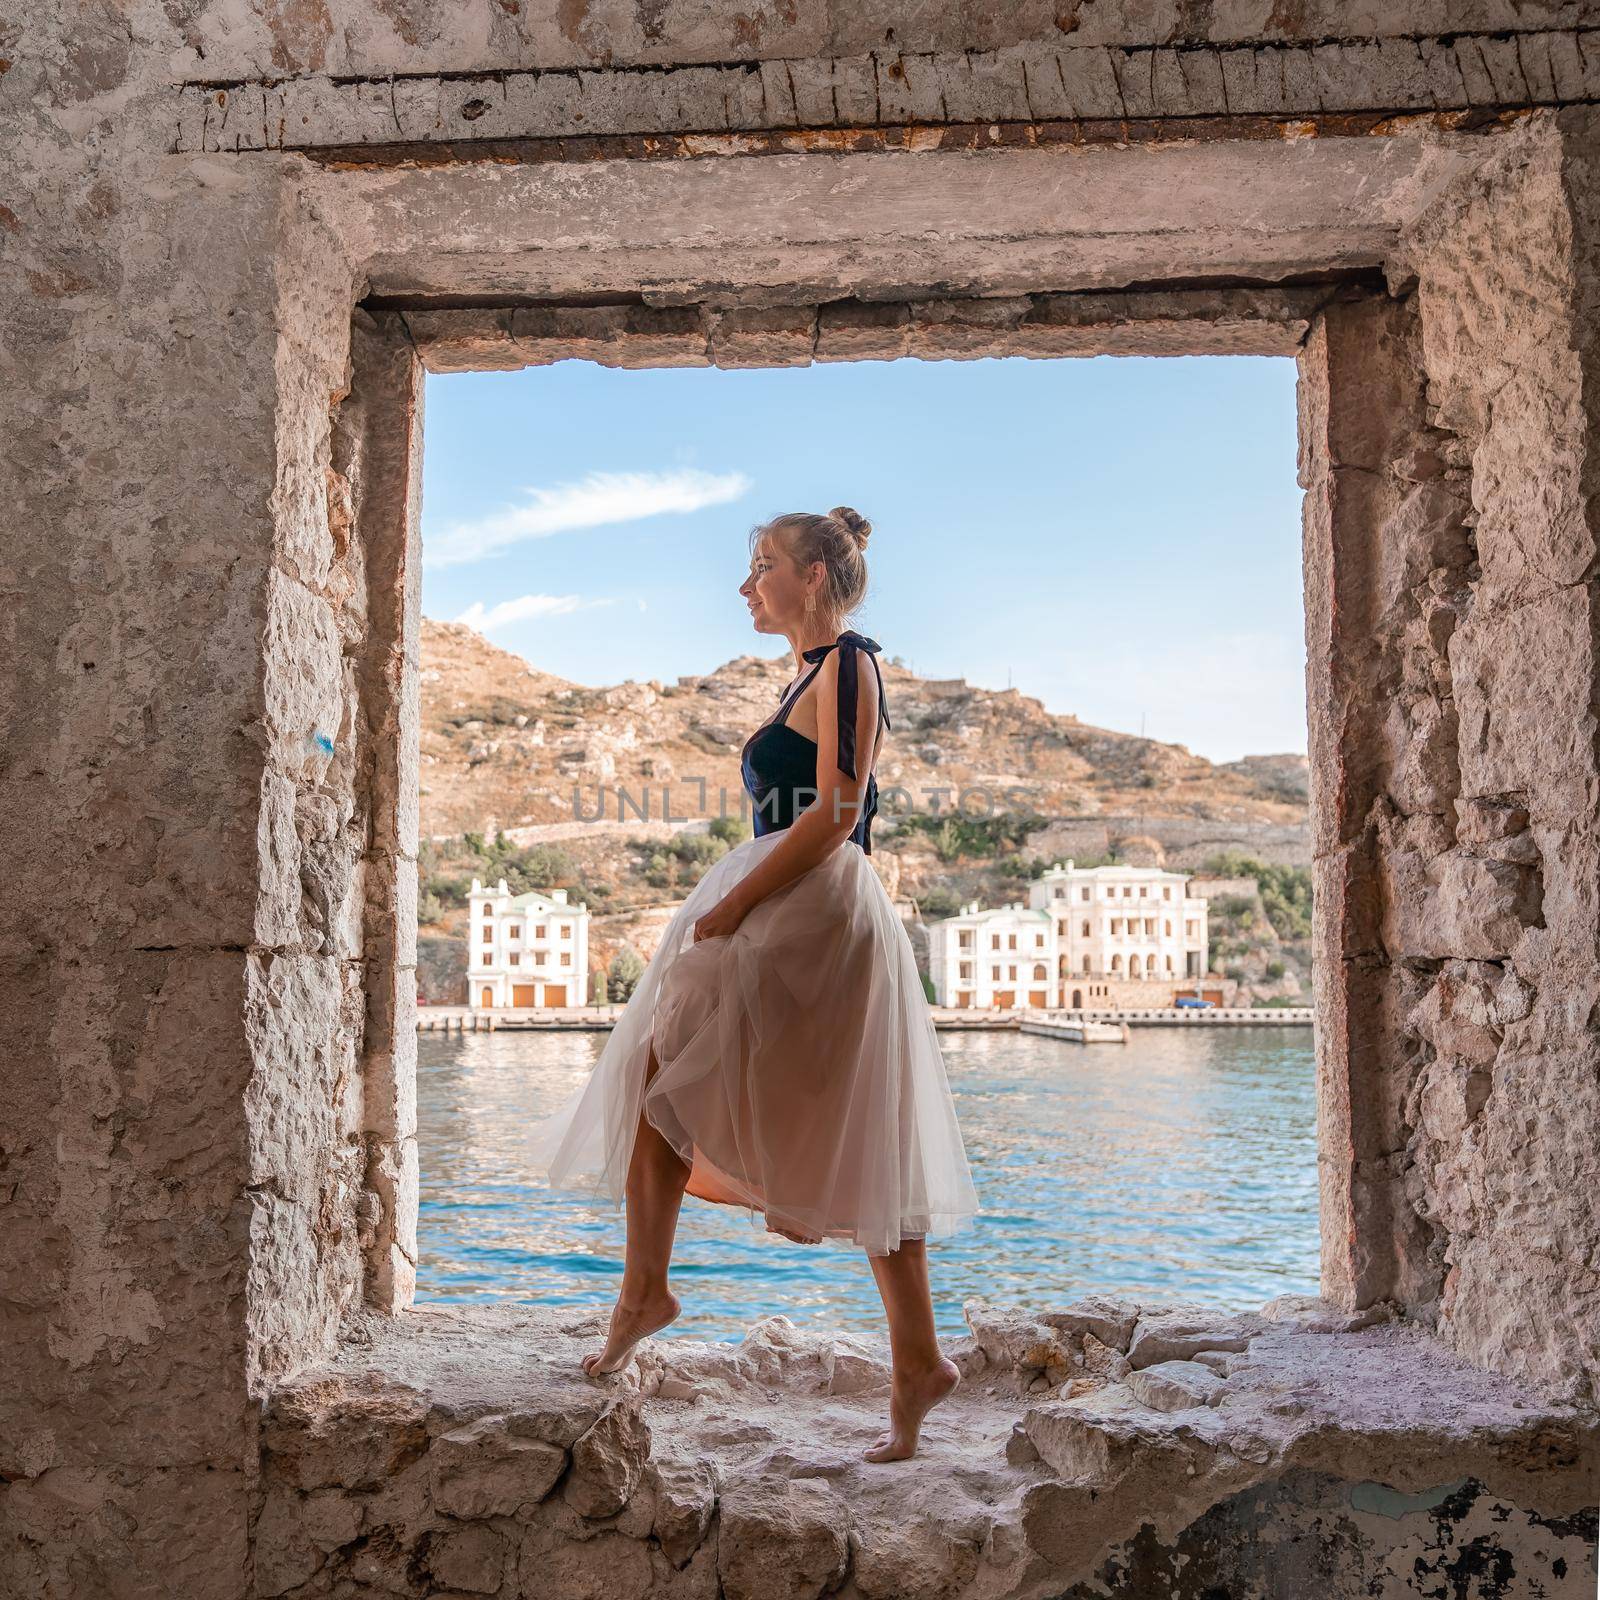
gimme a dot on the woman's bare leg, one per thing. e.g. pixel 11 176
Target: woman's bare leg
pixel 922 1375
pixel 645 1305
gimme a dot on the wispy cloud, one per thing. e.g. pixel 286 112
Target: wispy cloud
pixel 600 499
pixel 525 607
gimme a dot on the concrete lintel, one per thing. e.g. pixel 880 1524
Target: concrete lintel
pixel 1082 91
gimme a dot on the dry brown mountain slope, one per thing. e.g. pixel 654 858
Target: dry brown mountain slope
pixel 505 745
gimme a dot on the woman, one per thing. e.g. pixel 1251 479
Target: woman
pixel 777 1053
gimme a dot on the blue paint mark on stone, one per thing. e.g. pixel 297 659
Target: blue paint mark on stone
pixel 323 743
pixel 1386 1502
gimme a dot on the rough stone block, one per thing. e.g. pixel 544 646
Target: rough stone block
pixel 986 87
pixel 389 1053
pixel 854 332
pixel 391 1177
pixel 1180 1334
pixel 1013 1340
pixel 484 1470
pixel 1250 82
pixel 473 1559
pixel 285 1556
pixel 1482 906
pixel 763 336
pixel 1458 1015
pixel 1441 60
pixel 1175 1385
pixel 544 104
pixel 1045 92
pixel 602 1566
pixel 811 85
pixel 331 1519
pixel 778 104
pixel 466 341
pixel 1313 1314
pixel 608 1460
pixel 910 88
pixel 613 336
pixel 1400 74
pixel 324 1435
pixel 946 328
pixel 781 1539
pixel 685 1497
pixel 1110 1321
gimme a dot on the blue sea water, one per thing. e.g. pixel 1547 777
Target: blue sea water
pixel 1180 1166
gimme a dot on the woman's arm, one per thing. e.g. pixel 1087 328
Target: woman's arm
pixel 841 789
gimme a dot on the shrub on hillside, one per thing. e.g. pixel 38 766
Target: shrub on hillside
pixel 1285 891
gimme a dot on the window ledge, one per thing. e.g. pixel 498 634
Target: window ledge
pixel 462 1447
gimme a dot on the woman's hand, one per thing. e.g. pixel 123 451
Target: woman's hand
pixel 722 918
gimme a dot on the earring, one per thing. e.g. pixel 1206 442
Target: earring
pixel 811 604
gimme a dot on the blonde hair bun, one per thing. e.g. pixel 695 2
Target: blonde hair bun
pixel 854 523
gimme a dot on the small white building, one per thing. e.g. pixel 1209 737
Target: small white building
pixel 1088 937
pixel 526 949
pixel 997 958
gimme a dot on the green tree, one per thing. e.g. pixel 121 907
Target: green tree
pixel 937 902
pixel 627 967
pixel 731 830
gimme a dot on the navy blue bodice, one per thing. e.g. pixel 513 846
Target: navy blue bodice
pixel 780 765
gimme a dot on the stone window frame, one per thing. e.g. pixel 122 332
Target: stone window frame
pixel 1369 438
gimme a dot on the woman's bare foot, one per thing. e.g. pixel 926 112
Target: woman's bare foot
pixel 911 1398
pixel 629 1324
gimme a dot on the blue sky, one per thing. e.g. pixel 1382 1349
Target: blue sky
pixel 1119 537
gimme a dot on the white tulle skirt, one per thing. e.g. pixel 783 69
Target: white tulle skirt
pixel 798 1072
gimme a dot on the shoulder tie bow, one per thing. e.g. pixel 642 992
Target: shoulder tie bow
pixel 849 643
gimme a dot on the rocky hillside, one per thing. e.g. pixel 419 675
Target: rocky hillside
pixel 504 745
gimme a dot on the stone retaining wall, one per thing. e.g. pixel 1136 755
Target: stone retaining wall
pixel 1128 1450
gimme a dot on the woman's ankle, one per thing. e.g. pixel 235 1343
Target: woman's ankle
pixel 645 1299
pixel 920 1364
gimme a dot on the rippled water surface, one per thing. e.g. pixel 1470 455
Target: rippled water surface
pixel 1179 1166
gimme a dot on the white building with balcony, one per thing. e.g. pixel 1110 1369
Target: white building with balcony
pixel 526 949
pixel 1088 937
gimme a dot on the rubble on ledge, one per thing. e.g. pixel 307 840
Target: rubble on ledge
pixel 462 1451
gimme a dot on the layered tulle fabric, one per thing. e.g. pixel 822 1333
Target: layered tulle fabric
pixel 798 1069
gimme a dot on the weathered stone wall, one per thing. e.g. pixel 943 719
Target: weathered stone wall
pixel 207 1156
pixel 375 500
pixel 1492 844
pixel 181 956
pixel 1450 618
pixel 1385 546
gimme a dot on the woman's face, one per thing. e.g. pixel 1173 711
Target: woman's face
pixel 775 591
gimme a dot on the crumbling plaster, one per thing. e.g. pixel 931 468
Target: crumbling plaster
pixel 208 1160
